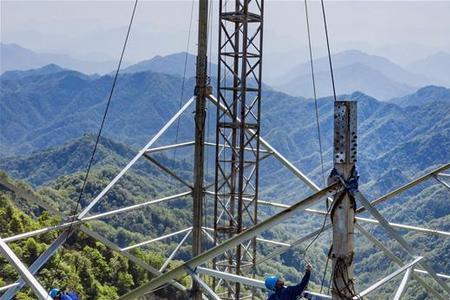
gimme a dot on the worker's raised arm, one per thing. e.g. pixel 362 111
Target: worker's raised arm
pixel 297 290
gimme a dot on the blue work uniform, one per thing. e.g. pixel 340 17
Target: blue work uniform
pixel 69 296
pixel 291 292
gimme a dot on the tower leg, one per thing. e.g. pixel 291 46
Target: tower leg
pixel 343 206
pixel 201 91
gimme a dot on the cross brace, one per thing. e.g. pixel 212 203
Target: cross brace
pixel 23 271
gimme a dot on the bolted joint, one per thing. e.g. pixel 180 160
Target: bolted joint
pixel 345 132
pixel 204 91
pixel 350 183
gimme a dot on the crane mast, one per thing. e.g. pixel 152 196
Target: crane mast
pixel 237 133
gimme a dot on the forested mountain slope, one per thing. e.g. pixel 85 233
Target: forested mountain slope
pixel 56 109
pixel 49 109
pixel 426 208
pixel 84 265
pixel 424 96
pixel 40 111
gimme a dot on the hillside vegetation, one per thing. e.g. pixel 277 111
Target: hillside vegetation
pixel 49 115
pixel 424 207
pixel 83 264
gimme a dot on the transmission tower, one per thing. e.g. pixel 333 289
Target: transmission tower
pixel 236 226
pixel 237 142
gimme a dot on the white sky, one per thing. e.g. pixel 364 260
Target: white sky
pixel 402 31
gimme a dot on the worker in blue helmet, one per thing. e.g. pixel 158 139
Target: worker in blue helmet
pixel 280 292
pixel 57 294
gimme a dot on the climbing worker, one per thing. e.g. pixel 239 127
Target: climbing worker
pixel 56 294
pixel 280 292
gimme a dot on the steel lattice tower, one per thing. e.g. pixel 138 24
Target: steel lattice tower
pixel 236 224
pixel 237 133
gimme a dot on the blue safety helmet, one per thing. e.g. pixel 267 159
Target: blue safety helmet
pixel 271 282
pixel 54 293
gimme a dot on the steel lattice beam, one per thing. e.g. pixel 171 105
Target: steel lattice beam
pixel 442 182
pixel 237 149
pixel 174 252
pixel 91 218
pixel 6 287
pixel 403 284
pixel 156 239
pixel 405 187
pixel 389 254
pixel 366 220
pixel 136 158
pixel 248 281
pixel 232 242
pixel 39 262
pixel 374 212
pixel 23 271
pixel 48 254
pixel 387 278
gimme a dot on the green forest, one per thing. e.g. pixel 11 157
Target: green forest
pixel 47 145
pixel 83 265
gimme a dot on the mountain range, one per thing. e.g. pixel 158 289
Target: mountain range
pixel 173 64
pixel 424 96
pixel 358 71
pixel 436 66
pixel 47 112
pixel 16 57
pixel 67 103
pixel 354 71
pixel 48 107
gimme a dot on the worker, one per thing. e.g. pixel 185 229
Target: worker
pixel 280 292
pixel 56 294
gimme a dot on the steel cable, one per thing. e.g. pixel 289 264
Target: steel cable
pixel 328 48
pixel 106 109
pixel 180 102
pixel 104 116
pixel 318 131
pixel 313 78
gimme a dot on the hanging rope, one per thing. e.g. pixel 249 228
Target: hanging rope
pixel 325 270
pixel 318 234
pixel 180 102
pixel 319 136
pixel 328 48
pixel 313 78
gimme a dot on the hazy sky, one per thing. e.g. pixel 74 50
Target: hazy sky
pixel 401 30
